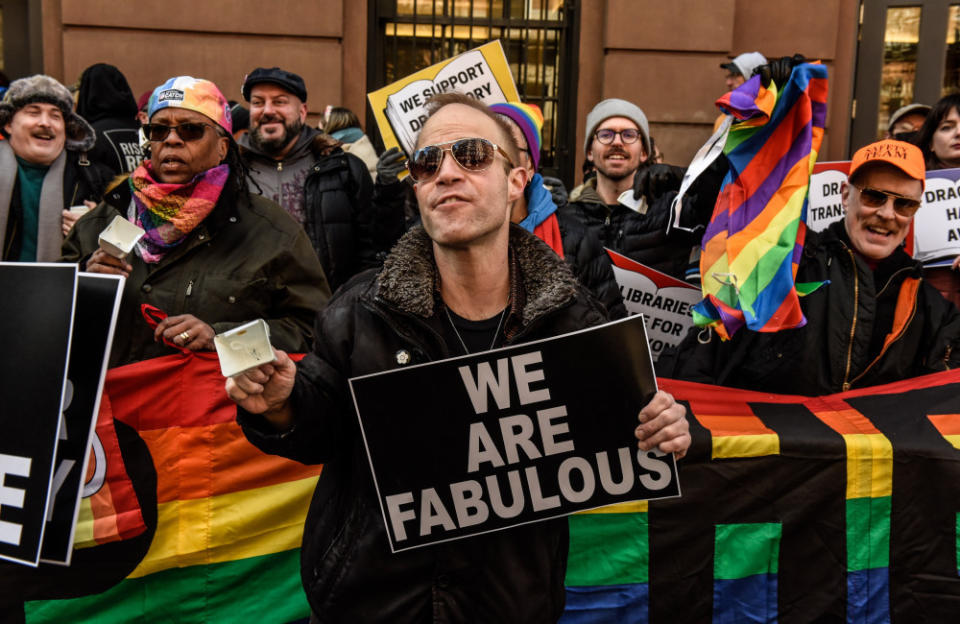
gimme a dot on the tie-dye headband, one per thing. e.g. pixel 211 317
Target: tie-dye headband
pixel 194 94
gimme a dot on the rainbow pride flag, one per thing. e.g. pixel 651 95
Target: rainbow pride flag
pixel 752 245
pixel 111 512
pixel 229 517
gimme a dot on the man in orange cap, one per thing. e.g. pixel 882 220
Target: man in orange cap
pixel 872 321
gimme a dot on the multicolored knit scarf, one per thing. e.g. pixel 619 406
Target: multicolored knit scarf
pixel 168 212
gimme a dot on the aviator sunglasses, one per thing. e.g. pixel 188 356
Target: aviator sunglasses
pixel 191 131
pixel 875 198
pixel 471 154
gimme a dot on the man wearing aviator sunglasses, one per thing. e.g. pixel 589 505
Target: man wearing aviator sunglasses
pixel 466 281
pixel 874 320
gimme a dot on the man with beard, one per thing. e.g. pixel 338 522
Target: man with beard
pixel 324 189
pixel 873 321
pixel 618 144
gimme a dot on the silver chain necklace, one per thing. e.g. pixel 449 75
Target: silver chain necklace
pixel 495 334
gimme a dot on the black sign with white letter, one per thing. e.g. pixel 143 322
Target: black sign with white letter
pixel 521 434
pixel 98 301
pixel 36 312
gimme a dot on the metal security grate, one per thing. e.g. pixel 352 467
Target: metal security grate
pixel 538 36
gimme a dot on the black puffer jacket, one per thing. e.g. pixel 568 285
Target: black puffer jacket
pixel 348 571
pixel 642 237
pixel 864 327
pixel 335 209
pixel 584 253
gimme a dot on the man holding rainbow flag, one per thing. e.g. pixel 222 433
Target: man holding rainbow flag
pixel 856 311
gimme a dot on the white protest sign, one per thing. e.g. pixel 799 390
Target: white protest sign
pixel 664 301
pixel 937 223
pixel 824 205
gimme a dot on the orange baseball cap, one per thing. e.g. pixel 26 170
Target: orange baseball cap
pixel 904 156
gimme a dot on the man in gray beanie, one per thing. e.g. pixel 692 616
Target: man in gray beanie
pixel 43 169
pixel 618 144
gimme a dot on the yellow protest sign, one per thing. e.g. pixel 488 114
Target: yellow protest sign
pixel 400 108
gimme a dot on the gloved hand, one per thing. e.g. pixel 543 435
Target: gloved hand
pixel 779 70
pixel 389 166
pixel 654 180
pixel 557 191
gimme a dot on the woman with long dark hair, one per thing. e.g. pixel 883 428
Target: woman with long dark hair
pixel 213 256
pixel 939 140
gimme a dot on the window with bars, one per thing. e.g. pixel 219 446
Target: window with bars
pixel 538 37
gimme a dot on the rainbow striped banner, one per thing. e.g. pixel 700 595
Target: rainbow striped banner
pixel 752 245
pixel 839 508
pixel 795 509
pixel 229 518
pixel 868 493
pixel 608 570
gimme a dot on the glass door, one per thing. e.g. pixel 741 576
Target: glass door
pixel 908 51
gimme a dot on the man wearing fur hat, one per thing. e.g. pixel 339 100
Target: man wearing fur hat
pixel 43 169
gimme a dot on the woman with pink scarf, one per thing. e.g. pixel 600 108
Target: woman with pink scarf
pixel 213 256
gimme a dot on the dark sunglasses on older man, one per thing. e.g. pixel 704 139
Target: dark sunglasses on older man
pixel 471 154
pixel 875 198
pixel 190 131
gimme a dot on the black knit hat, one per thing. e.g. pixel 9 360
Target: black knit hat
pixel 288 80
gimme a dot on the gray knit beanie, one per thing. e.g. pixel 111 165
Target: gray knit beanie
pixel 40 88
pixel 614 107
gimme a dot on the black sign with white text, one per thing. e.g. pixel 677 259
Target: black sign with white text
pixel 98 301
pixel 36 312
pixel 521 434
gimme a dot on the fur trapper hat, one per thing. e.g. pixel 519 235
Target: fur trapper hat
pixel 41 88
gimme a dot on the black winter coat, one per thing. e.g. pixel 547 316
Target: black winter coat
pixel 584 253
pixel 641 237
pixel 337 195
pixel 864 327
pixel 348 571
pixel 246 260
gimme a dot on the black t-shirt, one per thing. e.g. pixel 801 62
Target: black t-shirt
pixel 466 336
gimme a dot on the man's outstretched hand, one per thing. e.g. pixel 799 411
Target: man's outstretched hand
pixel 264 390
pixel 663 424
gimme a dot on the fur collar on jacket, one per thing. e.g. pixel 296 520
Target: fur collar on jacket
pixel 408 278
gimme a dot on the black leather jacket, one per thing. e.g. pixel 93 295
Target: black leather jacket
pixel 374 323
